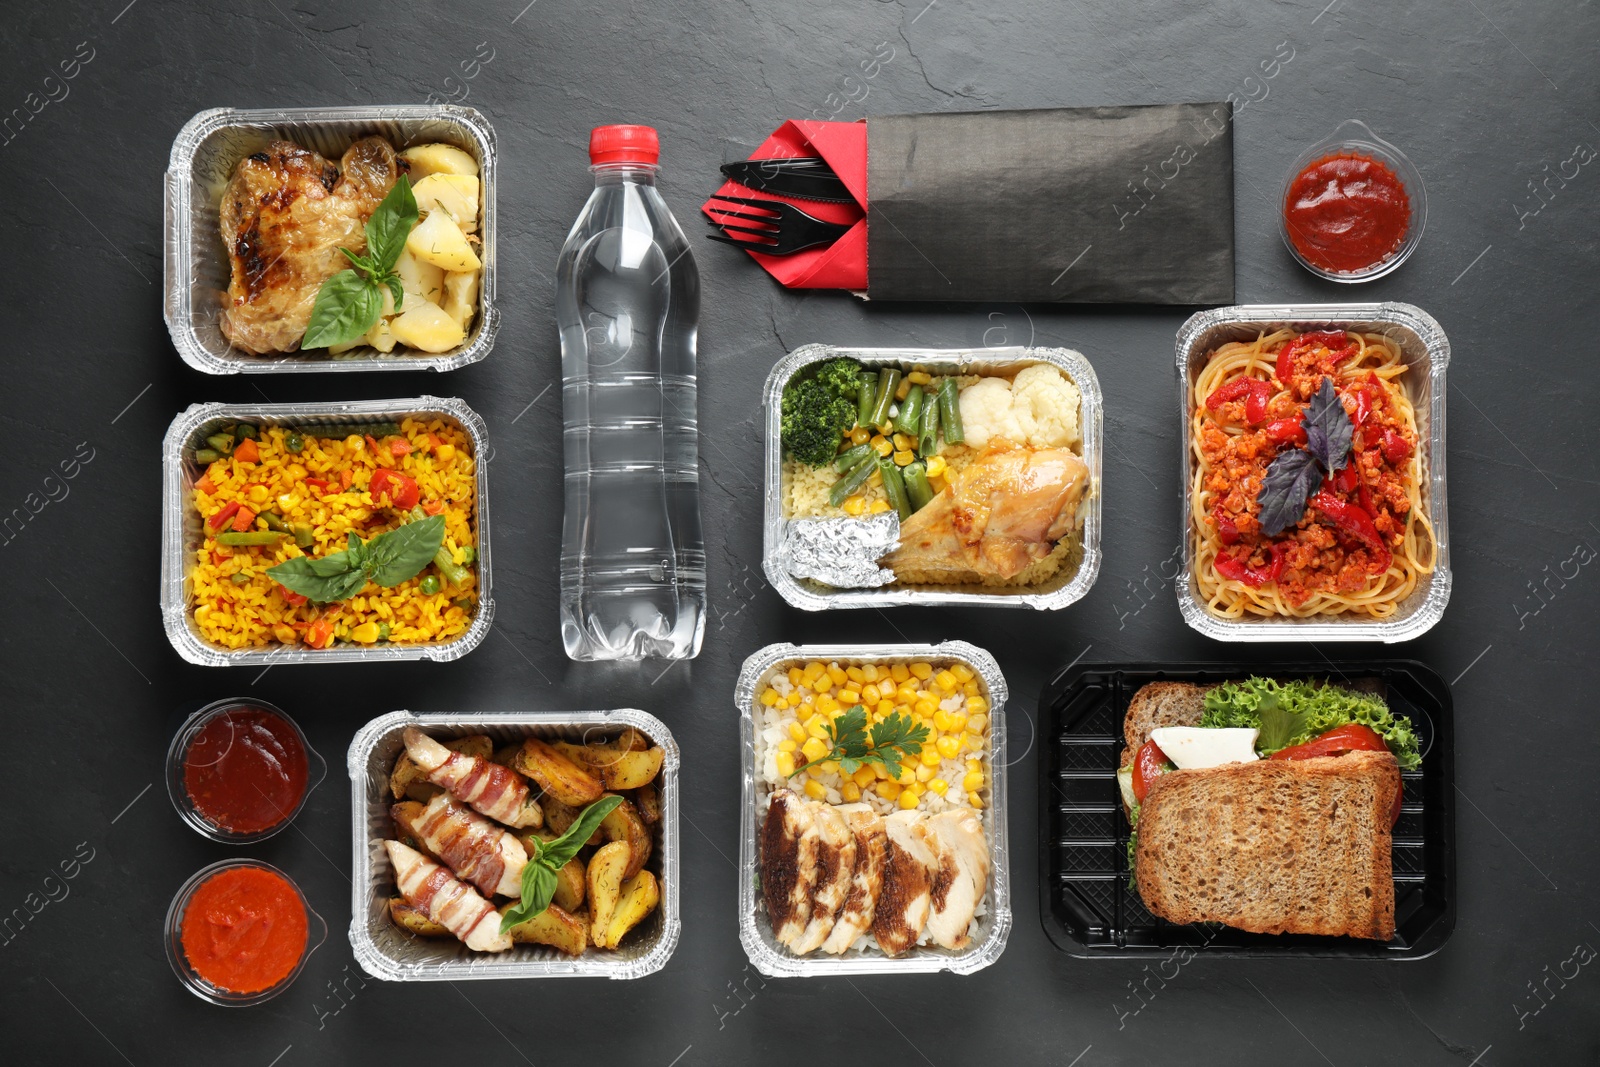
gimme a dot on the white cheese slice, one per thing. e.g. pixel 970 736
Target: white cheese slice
pixel 1125 783
pixel 1193 748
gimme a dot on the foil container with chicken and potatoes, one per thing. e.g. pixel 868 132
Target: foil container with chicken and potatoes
pixel 783 538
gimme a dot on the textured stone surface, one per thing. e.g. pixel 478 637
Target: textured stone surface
pixel 1480 94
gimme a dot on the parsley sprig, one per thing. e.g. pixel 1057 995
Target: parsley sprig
pixel 897 737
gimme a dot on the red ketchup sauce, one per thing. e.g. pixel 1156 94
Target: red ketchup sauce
pixel 1347 212
pixel 245 770
pixel 244 929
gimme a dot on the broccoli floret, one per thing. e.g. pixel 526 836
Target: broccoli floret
pixel 818 409
pixel 840 376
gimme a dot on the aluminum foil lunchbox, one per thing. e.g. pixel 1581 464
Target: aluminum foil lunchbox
pixel 1426 351
pixel 181 534
pixel 385 951
pixel 1065 588
pixel 195 268
pixel 755 932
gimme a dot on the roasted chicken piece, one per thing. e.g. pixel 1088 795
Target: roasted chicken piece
pixel 1005 511
pixel 446 900
pixel 836 861
pixel 496 791
pixel 285 214
pixel 474 848
pixel 956 837
pixel 866 879
pixel 909 869
pixel 789 842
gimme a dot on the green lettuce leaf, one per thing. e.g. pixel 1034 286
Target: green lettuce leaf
pixel 1291 713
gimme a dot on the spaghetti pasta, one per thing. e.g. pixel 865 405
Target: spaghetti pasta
pixel 1366 540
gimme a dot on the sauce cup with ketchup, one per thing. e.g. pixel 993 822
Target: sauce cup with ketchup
pixel 239 932
pixel 239 770
pixel 1353 206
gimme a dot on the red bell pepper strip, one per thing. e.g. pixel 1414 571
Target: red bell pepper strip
pixel 433 507
pixel 399 446
pixel 319 484
pixel 346 476
pixel 243 520
pixel 220 518
pixel 319 632
pixel 402 491
pixel 1255 577
pixel 1149 764
pixel 1255 391
pixel 294 599
pixel 205 484
pixel 247 451
pixel 1335 341
pixel 1285 431
pixel 1347 478
pixel 1226 529
pixel 1396 449
pixel 1357 522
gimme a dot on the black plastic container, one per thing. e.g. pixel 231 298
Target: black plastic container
pixel 1086 906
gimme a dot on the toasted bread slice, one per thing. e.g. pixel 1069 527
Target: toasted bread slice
pixel 1274 847
pixel 1160 704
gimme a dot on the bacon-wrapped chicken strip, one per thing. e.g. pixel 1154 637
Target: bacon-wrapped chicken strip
pixel 447 901
pixel 496 791
pixel 474 848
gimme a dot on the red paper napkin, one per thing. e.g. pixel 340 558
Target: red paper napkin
pixel 843 264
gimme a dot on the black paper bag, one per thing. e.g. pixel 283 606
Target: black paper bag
pixel 1067 205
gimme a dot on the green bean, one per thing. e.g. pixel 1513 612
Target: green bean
pixel 909 421
pixel 237 539
pixel 376 430
pixel 453 572
pixel 304 535
pixel 383 631
pixel 853 480
pixel 894 487
pixel 950 412
pixel 275 521
pixel 430 585
pixel 221 442
pixel 294 442
pixel 849 460
pixel 865 397
pixel 928 439
pixel 244 431
pixel 917 487
pixel 206 455
pixel 888 382
pixel 469 555
pixel 240 578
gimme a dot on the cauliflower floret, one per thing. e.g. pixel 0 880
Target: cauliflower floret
pixel 1045 403
pixel 986 413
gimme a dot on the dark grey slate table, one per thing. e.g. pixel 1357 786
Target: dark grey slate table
pixel 1483 94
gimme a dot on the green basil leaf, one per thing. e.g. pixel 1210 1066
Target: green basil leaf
pixel 347 305
pixel 396 290
pixel 538 889
pixel 324 580
pixel 401 554
pixel 362 264
pixel 390 225
pixel 555 854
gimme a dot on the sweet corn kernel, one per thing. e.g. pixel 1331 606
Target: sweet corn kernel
pixel 923 671
pixel 788 744
pixel 976 705
pixel 946 681
pixel 976 722
pixel 817 727
pixel 882 445
pixel 855 674
pixel 815 770
pixel 885 708
pixel 961 671
pixel 907 694
pixel 917 788
pixel 827 704
pixel 901 441
pixel 444 453
pixel 904 389
pixel 973 801
pixel 785 763
pixel 879 772
pixel 973 781
pixel 864 776
pixel 814 668
pixel 930 756
pixel 889 790
pixel 365 634
pixel 958 722
pixel 941 721
pixel 770 697
pixel 860 435
pixel 815 790
pixel 908 800
pixel 924 706
pixel 259 494
pixel 850 792
pixel 836 672
pixel 848 697
pixel 936 466
pixel 797 733
pixel 970 689
pixel 924 773
pixel 814 748
pixel 875 480
pixel 948 747
pixel 887 428
pixel 878 507
pixel 899 672
pixel 904 457
pixel 907 775
pixel 937 484
pixel 795 675
pixel 939 786
pixel 870 672
pixel 830 766
pixel 869 693
pixel 354 443
pixel 918 377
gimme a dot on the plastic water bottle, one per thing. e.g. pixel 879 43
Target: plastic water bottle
pixel 633 569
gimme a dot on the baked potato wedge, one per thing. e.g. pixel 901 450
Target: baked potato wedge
pixel 648 800
pixel 628 770
pixel 556 927
pixel 405 815
pixel 624 824
pixel 607 871
pixel 413 920
pixel 408 781
pixel 570 883
pixel 640 895
pixel 561 778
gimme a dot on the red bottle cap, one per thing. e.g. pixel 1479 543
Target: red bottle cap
pixel 624 144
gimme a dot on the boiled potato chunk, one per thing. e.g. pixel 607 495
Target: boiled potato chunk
pixel 381 336
pixel 422 282
pixel 556 927
pixel 438 240
pixel 454 194
pixel 640 895
pixel 430 159
pixel 427 328
pixel 461 297
pixel 607 870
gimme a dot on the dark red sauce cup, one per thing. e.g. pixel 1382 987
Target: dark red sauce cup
pixel 240 770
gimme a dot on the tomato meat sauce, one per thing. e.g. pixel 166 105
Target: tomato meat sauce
pixel 246 770
pixel 244 929
pixel 1347 212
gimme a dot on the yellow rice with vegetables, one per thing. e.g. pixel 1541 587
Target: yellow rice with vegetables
pixel 322 493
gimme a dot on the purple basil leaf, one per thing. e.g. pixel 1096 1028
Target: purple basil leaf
pixel 1328 428
pixel 1289 483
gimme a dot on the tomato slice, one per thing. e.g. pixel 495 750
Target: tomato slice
pixel 401 490
pixel 1149 764
pixel 1352 737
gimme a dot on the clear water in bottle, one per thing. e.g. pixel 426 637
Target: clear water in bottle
pixel 633 580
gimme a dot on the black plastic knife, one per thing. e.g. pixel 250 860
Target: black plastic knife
pixel 804 178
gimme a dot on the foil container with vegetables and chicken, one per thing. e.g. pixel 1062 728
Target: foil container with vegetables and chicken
pixel 922 476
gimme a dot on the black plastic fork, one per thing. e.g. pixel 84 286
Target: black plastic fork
pixel 780 230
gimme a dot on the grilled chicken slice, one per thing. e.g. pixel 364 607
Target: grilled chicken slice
pixel 474 848
pixel 447 901
pixel 909 869
pixel 285 214
pixel 789 841
pixel 866 879
pixel 956 837
pixel 1006 510
pixel 496 791
pixel 836 862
